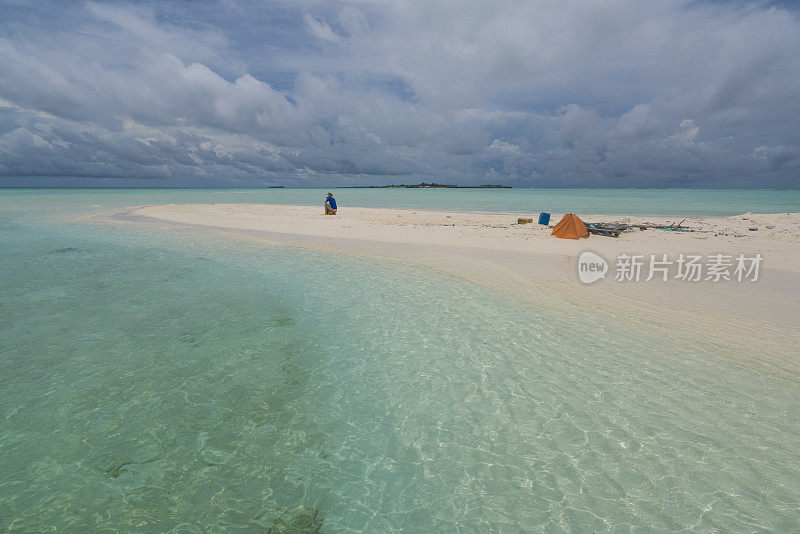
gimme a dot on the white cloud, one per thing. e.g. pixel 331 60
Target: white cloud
pixel 640 122
pixel 353 21
pixel 531 92
pixel 505 147
pixel 320 29
pixel 687 132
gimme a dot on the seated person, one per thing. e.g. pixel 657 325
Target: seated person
pixel 330 205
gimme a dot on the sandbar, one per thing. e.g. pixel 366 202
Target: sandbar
pixel 525 262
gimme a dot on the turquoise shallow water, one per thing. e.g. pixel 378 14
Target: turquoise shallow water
pixel 154 381
pixel 665 202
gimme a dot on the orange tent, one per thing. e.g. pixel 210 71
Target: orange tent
pixel 570 227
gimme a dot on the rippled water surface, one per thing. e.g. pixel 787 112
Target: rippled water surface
pixel 158 381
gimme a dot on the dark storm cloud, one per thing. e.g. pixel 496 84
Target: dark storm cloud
pixel 673 93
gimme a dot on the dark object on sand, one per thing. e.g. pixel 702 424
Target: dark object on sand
pixel 523 220
pixel 613 229
pixel 650 226
pixel 606 229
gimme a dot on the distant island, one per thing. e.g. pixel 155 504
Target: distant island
pixel 428 186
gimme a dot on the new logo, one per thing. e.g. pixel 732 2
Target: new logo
pixel 591 267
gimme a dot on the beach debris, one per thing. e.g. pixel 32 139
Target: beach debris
pixel 770 227
pixel 524 220
pixel 753 229
pixel 570 227
pixel 651 226
pixel 615 228
pixel 612 229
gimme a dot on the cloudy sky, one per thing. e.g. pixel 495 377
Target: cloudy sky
pixel 561 93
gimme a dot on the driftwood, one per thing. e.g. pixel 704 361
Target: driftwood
pixel 614 228
pixel 651 226
pixel 603 231
pixel 609 229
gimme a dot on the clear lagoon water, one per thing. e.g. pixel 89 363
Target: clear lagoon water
pixel 664 202
pixel 163 382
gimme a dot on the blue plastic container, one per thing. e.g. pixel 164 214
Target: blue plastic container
pixel 544 218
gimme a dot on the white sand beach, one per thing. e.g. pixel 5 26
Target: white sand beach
pixel 492 231
pixel 525 261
